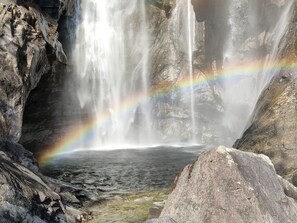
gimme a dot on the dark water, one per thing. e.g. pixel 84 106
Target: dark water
pixel 123 170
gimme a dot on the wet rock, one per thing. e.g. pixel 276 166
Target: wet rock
pixel 56 8
pixel 169 65
pixel 25 197
pixel 19 154
pixel 274 128
pixel 227 185
pixel 49 110
pixel 166 5
pixel 29 40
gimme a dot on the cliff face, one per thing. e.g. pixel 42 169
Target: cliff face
pixel 29 47
pixel 273 128
pixel 29 42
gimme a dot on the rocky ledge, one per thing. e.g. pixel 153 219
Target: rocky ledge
pixel 227 185
pixel 25 195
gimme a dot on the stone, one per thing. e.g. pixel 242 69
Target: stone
pixel 166 5
pixel 227 185
pixel 24 195
pixel 154 212
pixel 48 113
pixel 273 128
pixel 161 220
pixel 56 8
pixel 28 41
pixel 19 154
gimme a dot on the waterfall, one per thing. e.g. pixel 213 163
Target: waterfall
pixel 112 62
pixel 191 38
pixel 256 30
pixel 183 34
pixel 113 54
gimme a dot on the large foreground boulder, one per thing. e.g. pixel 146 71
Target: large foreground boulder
pixel 227 185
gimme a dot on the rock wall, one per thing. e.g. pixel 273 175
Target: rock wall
pixel 273 126
pixel 29 50
pixel 169 65
pixel 29 42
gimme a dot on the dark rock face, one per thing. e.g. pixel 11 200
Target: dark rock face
pixel 55 8
pixel 48 115
pixel 51 107
pixel 215 13
pixel 24 196
pixel 19 154
pixel 29 48
pixel 227 185
pixel 28 42
pixel 274 126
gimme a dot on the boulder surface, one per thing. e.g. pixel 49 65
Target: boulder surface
pixel 227 185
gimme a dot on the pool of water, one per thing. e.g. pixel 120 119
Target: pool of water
pixel 122 170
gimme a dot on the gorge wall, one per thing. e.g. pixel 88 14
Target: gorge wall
pixel 273 124
pixel 220 115
pixel 29 49
pixel 34 70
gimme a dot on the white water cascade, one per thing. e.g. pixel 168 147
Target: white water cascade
pixel 111 59
pixel 183 33
pixel 254 44
pixel 191 37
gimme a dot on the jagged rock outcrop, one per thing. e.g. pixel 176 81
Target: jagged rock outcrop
pixel 50 108
pixel 56 8
pixel 227 185
pixel 24 196
pixel 273 127
pixel 29 41
pixel 29 48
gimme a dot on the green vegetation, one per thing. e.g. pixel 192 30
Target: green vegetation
pixel 128 208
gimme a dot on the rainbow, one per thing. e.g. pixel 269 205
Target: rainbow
pixel 84 131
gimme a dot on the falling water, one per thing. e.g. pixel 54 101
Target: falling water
pixel 262 27
pixel 113 65
pixel 112 68
pixel 278 33
pixel 191 38
pixel 183 34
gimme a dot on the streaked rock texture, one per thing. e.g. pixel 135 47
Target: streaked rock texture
pixel 227 185
pixel 273 128
pixel 29 41
pixel 24 195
